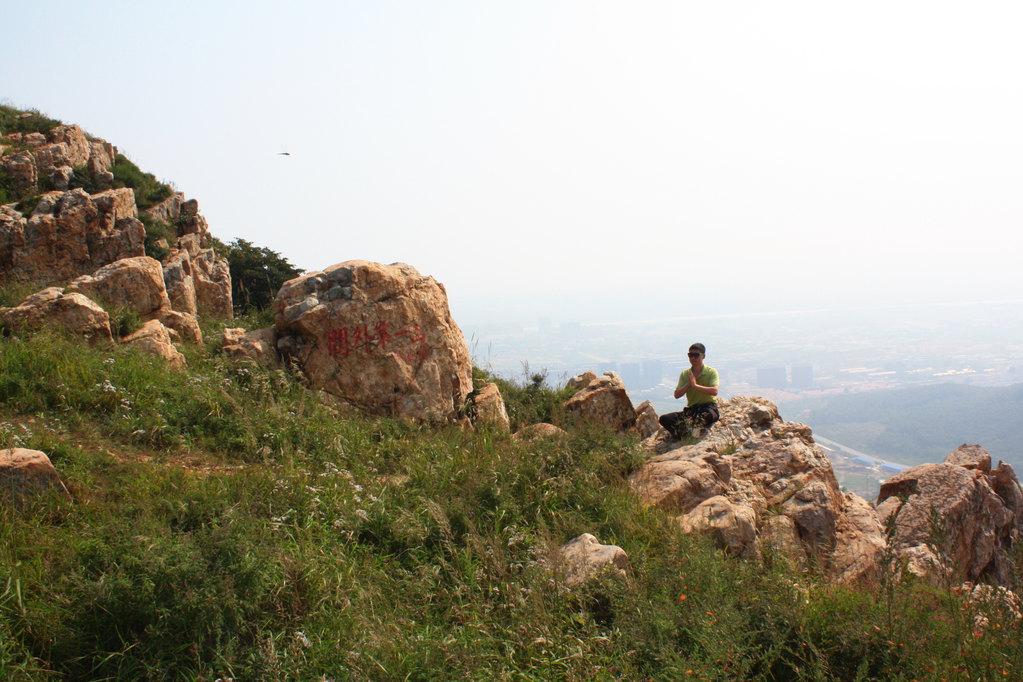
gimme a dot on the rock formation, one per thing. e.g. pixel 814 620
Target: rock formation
pixel 602 400
pixel 539 431
pixel 380 337
pixel 69 234
pixel 154 338
pixel 489 408
pixel 24 471
pixel 258 346
pixel 584 558
pixel 54 307
pixel 956 520
pixel 751 468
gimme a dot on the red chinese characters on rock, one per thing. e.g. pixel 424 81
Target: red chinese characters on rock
pixel 408 342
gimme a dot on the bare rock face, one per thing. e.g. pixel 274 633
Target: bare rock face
pixel 54 308
pixel 20 169
pixel 184 325
pixel 646 420
pixel 751 462
pixel 603 401
pixel 24 471
pixel 378 336
pixel 258 346
pixel 154 338
pixel 168 210
pixel 490 409
pixel 177 278
pixel 584 558
pixel 957 519
pixel 538 432
pixel 69 234
pixel 859 542
pixel 212 279
pixel 133 283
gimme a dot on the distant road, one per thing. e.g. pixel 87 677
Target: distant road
pixel 856 453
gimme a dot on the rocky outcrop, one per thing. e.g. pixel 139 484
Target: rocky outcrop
pixel 378 336
pixel 131 283
pixel 751 468
pixel 154 338
pixel 488 407
pixel 956 520
pixel 178 280
pixel 69 234
pixel 54 307
pixel 24 472
pixel 212 279
pixel 258 345
pixel 602 401
pixel 580 380
pixel 538 432
pixel 646 420
pixel 50 161
pixel 584 558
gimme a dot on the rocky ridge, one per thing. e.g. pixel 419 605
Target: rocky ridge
pixel 86 250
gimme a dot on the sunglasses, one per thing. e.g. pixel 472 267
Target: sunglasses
pixel 694 355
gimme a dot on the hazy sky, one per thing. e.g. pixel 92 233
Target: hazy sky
pixel 582 160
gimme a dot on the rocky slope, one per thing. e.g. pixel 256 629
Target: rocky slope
pixel 74 230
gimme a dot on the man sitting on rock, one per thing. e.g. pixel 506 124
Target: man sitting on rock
pixel 699 384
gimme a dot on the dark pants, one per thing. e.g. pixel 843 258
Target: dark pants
pixel 689 420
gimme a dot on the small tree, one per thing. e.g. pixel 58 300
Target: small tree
pixel 256 274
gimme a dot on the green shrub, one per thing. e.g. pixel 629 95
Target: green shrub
pixel 14 120
pixel 148 190
pixel 157 230
pixel 530 401
pixel 257 273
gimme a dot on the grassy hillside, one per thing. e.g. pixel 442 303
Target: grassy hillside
pixel 226 523
pixel 921 424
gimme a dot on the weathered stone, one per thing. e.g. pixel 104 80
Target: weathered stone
pixel 778 536
pixel 54 308
pixel 757 463
pixel 603 401
pixel 21 172
pixel 584 558
pixel 177 277
pixel 130 283
pixel 183 324
pixel 66 236
pixel 646 420
pixel 378 336
pixel 211 275
pixel 75 143
pixel 51 160
pixel 152 337
pixel 733 526
pixel 970 457
pixel 581 380
pixel 951 524
pixel 167 210
pixel 258 345
pixel 539 431
pixel 859 542
pixel 116 204
pixel 24 471
pixel 101 161
pixel 489 408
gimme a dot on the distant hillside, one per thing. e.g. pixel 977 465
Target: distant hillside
pixel 920 424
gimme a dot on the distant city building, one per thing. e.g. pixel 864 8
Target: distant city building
pixel 653 372
pixel 772 377
pixel 802 376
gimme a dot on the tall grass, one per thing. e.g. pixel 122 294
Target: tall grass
pixel 224 523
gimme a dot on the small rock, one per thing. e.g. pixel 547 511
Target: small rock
pixel 583 558
pixel 489 408
pixel 539 431
pixel 27 471
pixel 153 337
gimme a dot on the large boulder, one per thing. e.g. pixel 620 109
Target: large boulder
pixel 603 401
pixel 22 174
pixel 69 234
pixel 955 520
pixel 131 283
pixel 380 337
pixel 212 279
pixel 54 307
pixel 489 408
pixel 154 338
pixel 24 471
pixel 749 469
pixel 647 423
pixel 584 558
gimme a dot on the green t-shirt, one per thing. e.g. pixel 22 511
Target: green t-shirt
pixel 708 377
